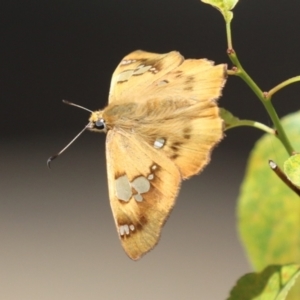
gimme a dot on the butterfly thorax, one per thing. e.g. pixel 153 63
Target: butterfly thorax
pixel 136 115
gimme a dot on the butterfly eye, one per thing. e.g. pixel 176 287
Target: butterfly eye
pixel 100 124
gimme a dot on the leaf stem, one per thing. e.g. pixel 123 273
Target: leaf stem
pixel 282 85
pixel 228 34
pixel 250 123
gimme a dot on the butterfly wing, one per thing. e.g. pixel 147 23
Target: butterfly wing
pixel 143 186
pixel 137 71
pixel 142 75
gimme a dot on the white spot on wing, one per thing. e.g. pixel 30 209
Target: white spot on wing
pixel 141 70
pixel 121 230
pixel 123 188
pixel 141 184
pixel 124 76
pixel 159 143
pixel 127 61
pixel 138 197
pixel 125 229
pixel 150 176
pixel 153 70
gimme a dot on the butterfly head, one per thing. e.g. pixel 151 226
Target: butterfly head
pixel 97 123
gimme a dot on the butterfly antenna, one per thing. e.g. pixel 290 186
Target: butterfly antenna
pixel 50 159
pixel 76 105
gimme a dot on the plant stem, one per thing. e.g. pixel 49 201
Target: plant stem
pixel 277 124
pixel 267 104
pixel 258 92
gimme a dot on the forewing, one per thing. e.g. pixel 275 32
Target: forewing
pixel 143 185
pixel 137 71
pixel 142 75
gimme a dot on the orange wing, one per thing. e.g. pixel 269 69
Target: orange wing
pixel 137 71
pixel 143 186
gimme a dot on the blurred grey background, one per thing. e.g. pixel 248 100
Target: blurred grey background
pixel 57 235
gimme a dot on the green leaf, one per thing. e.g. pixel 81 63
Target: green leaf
pixel 229 119
pixel 224 6
pixel 291 168
pixel 268 211
pixel 273 283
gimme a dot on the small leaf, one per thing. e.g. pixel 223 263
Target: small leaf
pixel 291 168
pixel 229 119
pixel 273 283
pixel 224 6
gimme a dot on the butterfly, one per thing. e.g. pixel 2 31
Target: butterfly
pixel 161 122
